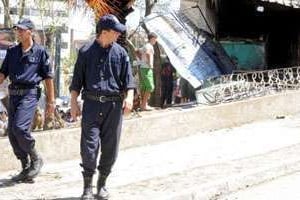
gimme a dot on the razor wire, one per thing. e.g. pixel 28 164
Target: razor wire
pixel 243 85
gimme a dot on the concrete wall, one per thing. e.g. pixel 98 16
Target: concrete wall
pixel 157 126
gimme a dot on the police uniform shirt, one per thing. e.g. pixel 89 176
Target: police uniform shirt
pixel 106 71
pixel 27 68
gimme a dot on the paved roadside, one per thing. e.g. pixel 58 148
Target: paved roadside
pixel 286 187
pixel 202 166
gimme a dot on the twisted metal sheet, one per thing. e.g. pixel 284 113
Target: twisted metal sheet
pixel 242 85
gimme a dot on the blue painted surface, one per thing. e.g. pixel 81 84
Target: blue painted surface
pixel 247 55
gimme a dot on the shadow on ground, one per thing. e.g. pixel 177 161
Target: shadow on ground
pixel 4 183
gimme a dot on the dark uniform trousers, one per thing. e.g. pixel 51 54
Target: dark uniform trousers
pixel 20 115
pixel 101 128
pixel 167 92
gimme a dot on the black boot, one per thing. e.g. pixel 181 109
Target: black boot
pixel 87 188
pixel 36 164
pixel 23 175
pixel 102 193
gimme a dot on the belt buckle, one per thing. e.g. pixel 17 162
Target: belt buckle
pixel 101 99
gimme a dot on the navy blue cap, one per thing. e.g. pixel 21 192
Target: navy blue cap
pixel 110 22
pixel 24 24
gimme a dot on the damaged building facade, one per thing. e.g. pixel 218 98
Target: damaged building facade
pixel 256 34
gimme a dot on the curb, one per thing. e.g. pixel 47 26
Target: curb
pixel 158 126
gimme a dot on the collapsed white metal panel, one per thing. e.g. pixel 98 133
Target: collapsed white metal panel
pixel 290 3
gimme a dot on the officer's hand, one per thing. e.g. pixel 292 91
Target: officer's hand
pixel 127 105
pixel 75 110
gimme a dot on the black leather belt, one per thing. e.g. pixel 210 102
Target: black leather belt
pixel 103 99
pixel 21 92
pixel 23 87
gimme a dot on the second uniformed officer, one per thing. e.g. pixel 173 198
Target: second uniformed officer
pixel 26 64
pixel 104 75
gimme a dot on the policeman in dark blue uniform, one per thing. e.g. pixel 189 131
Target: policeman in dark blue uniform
pixel 103 74
pixel 26 64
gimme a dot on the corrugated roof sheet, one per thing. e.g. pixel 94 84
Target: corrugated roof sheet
pixel 290 3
